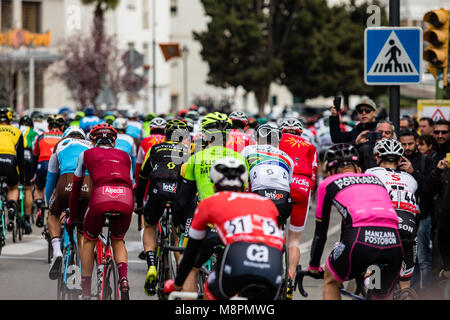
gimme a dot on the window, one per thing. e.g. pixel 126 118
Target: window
pixel 173 7
pixel 31 16
pixel 6 17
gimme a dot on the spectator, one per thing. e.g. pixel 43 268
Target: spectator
pixel 367 111
pixel 406 122
pixel 426 144
pixel 442 136
pixel 426 126
pixel 387 129
pixel 411 164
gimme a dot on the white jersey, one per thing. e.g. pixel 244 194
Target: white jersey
pixel 401 187
pixel 270 168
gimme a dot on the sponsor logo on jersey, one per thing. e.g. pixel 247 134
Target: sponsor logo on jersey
pixel 301 182
pixel 170 187
pixel 380 237
pixel 257 253
pixel 273 195
pixel 114 192
pixel 68 187
pixel 347 181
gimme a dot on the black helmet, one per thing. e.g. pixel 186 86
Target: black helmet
pixel 55 120
pixel 5 114
pixel 174 125
pixel 342 153
pixel 26 121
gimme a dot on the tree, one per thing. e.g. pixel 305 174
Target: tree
pixel 244 42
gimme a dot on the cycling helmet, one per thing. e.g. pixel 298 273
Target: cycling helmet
pixel 229 172
pixel 157 125
pixel 5 114
pixel 388 149
pixel 182 113
pixel 55 120
pixel 103 132
pixel 74 131
pixel 192 115
pixel 150 116
pixel 238 117
pixel 340 154
pixel 267 131
pixel 132 113
pixel 291 124
pixel 26 121
pixel 89 111
pixel 109 119
pixel 189 123
pixel 120 124
pixel 193 108
pixel 79 115
pixel 216 122
pixel 174 125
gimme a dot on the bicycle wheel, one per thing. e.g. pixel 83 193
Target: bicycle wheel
pixel 19 222
pixel 285 271
pixel 110 287
pixel 171 260
pixel 405 294
pixel 14 231
pixel 162 273
pixel 61 293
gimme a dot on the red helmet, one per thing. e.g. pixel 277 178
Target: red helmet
pixel 103 131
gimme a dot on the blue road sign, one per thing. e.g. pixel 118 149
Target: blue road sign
pixel 393 55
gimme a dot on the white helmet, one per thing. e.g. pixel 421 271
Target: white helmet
pixel 120 124
pixel 72 131
pixel 132 113
pixel 388 147
pixel 229 172
pixel 158 123
pixel 292 124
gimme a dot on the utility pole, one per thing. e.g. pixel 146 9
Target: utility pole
pixel 394 91
pixel 154 54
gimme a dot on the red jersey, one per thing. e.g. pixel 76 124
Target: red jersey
pixel 43 147
pixel 302 152
pixel 238 140
pixel 106 166
pixel 248 218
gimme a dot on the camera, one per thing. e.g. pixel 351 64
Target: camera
pixel 373 136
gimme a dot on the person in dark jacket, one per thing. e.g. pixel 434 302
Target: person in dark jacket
pixel 367 112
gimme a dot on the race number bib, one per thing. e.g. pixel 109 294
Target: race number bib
pixel 239 225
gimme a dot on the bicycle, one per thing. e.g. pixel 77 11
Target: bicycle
pixel 360 292
pixel 19 229
pixel 166 261
pixel 107 282
pixel 46 234
pixel 69 279
pixel 3 211
pixel 285 283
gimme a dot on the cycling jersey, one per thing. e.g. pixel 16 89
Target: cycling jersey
pixel 145 145
pixel 9 139
pixel 134 129
pixel 270 168
pixel 64 160
pixel 401 187
pixel 11 154
pixel 29 136
pixel 44 144
pixel 302 152
pixel 88 122
pixel 361 199
pixel 126 143
pixel 198 166
pixel 238 140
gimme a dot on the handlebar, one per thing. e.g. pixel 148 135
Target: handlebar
pixel 185 295
pixel 300 274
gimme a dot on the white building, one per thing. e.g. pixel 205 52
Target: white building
pixel 131 22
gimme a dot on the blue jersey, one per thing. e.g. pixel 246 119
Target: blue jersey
pixel 134 129
pixel 88 122
pixel 126 143
pixel 64 160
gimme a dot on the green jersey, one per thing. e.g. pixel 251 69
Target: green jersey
pixel 29 135
pixel 198 166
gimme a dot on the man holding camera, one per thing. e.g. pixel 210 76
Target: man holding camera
pixel 363 136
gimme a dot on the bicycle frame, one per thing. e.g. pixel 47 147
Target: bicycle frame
pixel 103 255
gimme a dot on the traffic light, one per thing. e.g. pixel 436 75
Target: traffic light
pixel 437 36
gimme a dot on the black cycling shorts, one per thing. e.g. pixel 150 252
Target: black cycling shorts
pixel 283 201
pixel 158 194
pixel 362 247
pixel 8 169
pixel 244 264
pixel 407 228
pixel 41 174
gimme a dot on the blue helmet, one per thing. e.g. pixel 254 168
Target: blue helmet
pixel 89 111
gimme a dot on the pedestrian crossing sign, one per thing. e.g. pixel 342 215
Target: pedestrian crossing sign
pixel 393 55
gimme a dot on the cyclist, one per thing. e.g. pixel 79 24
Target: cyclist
pixel 238 139
pixel 110 171
pixel 61 167
pixel 252 260
pixel 89 120
pixel 134 128
pixel 157 127
pixel 194 176
pixel 369 234
pixel 78 116
pixel 124 141
pixel 304 155
pixel 402 188
pixel 270 169
pixel 29 136
pixel 146 124
pixel 12 161
pixel 161 167
pixel 42 151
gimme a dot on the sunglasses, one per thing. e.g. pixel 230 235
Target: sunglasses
pixel 440 131
pixel 365 110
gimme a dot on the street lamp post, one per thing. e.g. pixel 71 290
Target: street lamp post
pixel 185 52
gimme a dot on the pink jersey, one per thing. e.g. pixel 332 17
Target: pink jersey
pixel 238 140
pixel 248 218
pixel 303 152
pixel 360 198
